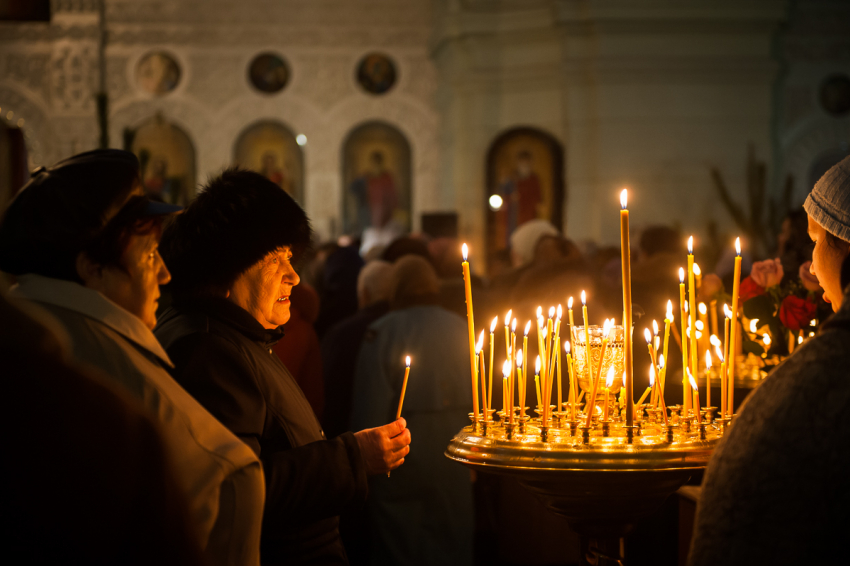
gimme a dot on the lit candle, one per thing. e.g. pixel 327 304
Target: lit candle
pixel 403 386
pixel 693 383
pixel 519 376
pixel 722 381
pixel 571 371
pixel 712 313
pixel 470 322
pixel 572 320
pixel 591 401
pixel 525 367
pixel 697 275
pixel 558 314
pixel 479 346
pixel 587 363
pixel 509 391
pixel 513 338
pixel 625 258
pixel 668 321
pixel 537 383
pixel 659 382
pixel 492 343
pixel 508 334
pixel 558 365
pixel 702 311
pixel 733 332
pixel 685 394
pixel 708 378
pixel 608 383
pixel 692 309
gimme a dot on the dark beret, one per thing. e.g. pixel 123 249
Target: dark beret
pixel 238 218
pixel 62 209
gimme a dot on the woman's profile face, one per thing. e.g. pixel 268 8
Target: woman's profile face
pixel 827 257
pixel 263 290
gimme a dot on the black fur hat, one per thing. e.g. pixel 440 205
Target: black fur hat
pixel 237 219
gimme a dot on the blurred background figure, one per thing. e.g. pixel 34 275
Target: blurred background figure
pixel 423 513
pixel 338 286
pixel 299 348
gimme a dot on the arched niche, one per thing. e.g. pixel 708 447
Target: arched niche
pixel 376 171
pixel 167 159
pixel 269 148
pixel 525 170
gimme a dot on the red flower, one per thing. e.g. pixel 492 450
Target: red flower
pixel 795 313
pixel 749 289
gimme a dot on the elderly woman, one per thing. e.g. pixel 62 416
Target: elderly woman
pixel 231 255
pixel 776 490
pixel 82 240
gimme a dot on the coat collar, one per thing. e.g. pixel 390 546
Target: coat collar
pixel 88 302
pixel 235 316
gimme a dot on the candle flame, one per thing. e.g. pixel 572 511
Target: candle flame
pixel 702 308
pixel 609 380
pixel 606 327
pixel 661 360
pixel 493 324
pixel 567 346
pixel 651 375
pixel 570 304
pixel 813 322
pixel 513 325
pixel 691 379
pixel 719 351
pixel 697 270
pixel 799 339
pixel 527 328
pixel 624 198
pixel 647 335
pixel 670 310
pixel 658 342
pixel 407 359
pixel 464 249
pixel 714 340
pixel 655 328
pixel 738 246
pixel 508 317
pixel 727 311
pixel 551 312
pixel 480 344
pixel 699 335
pixel 537 366
pixel 539 312
pixel 681 275
pixel 519 358
pixel 700 325
pixel 506 369
pixel 766 339
pixel 540 322
pixel 691 245
pixel 707 359
pixel 583 298
pixel 754 325
pixel 560 312
pixel 687 309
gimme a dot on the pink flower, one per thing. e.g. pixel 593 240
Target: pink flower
pixel 767 273
pixel 809 281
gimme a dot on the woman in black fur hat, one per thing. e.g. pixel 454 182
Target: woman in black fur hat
pixel 230 255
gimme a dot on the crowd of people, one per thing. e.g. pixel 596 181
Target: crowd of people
pixel 188 380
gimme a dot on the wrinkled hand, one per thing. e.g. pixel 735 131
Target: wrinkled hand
pixel 809 280
pixel 384 447
pixel 767 273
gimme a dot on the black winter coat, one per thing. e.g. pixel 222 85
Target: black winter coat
pixel 223 357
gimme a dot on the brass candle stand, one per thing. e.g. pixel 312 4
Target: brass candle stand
pixel 603 478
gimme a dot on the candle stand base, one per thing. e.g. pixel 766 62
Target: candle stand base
pixel 573 428
pixel 606 428
pixel 601 485
pixel 685 424
pixel 631 432
pixel 709 413
pixel 702 431
pixel 544 434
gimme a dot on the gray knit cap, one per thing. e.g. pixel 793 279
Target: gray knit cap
pixel 829 202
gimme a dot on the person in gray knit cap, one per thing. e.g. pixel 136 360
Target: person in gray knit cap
pixel 828 207
pixel 776 490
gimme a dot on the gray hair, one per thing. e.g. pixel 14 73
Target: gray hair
pixel 374 282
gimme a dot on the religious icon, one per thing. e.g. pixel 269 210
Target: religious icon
pixel 157 73
pixel 268 73
pixel 167 160
pixel 525 182
pixel 376 73
pixel 376 173
pixel 270 149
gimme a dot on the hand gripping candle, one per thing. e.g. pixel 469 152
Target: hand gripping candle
pixel 470 322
